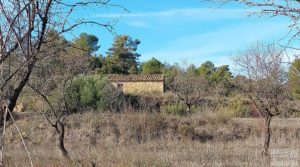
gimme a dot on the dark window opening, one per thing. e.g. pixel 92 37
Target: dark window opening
pixel 120 86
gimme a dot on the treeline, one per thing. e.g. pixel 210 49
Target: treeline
pixel 72 78
pixel 69 77
pixel 123 58
pixel 75 74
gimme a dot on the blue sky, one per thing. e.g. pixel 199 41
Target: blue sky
pixel 187 31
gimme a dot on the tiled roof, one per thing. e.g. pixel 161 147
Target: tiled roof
pixel 135 77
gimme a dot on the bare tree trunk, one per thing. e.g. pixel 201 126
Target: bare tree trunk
pixel 14 97
pixel 58 124
pixel 267 137
pixel 60 129
pixel 4 110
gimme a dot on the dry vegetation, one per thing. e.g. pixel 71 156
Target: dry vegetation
pixel 195 124
pixel 148 139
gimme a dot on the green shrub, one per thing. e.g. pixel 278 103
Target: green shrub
pixel 239 107
pixel 177 109
pixel 108 96
pixel 95 92
pixel 174 109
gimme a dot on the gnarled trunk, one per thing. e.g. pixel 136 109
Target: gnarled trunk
pixel 266 133
pixel 15 95
pixel 60 130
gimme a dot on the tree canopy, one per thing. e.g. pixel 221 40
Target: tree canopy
pixel 153 66
pixel 294 79
pixel 86 42
pixel 221 73
pixel 215 75
pixel 206 69
pixel 122 57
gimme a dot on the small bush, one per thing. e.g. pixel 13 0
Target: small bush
pixel 174 109
pixel 147 102
pixel 177 109
pixel 108 97
pixel 218 117
pixel 239 107
pixel 186 131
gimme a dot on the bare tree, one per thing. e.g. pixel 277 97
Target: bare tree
pixel 56 117
pixel 189 89
pixel 288 9
pixel 24 26
pixel 23 30
pixel 50 79
pixel 265 84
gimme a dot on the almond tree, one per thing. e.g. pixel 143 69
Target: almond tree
pixel 24 26
pixel 23 30
pixel 288 9
pixel 51 76
pixel 265 84
pixel 190 89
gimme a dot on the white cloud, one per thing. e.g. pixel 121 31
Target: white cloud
pixel 218 45
pixel 139 24
pixel 193 13
pixel 195 55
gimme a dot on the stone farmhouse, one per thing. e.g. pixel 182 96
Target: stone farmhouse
pixel 138 84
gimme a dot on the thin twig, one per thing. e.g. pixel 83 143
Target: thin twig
pixel 23 141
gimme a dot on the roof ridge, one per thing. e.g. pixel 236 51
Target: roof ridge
pixel 135 77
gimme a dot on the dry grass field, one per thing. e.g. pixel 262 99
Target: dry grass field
pixel 148 139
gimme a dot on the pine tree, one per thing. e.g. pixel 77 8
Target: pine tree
pixel 122 57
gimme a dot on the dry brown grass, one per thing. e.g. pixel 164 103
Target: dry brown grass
pixel 148 139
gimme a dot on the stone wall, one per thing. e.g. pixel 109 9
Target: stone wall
pixel 140 87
